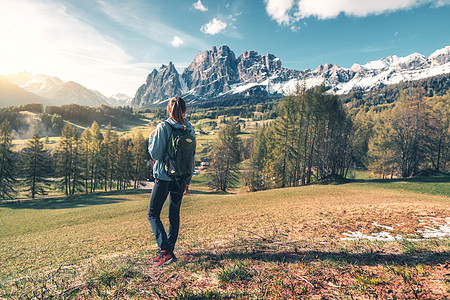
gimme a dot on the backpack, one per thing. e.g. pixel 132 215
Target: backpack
pixel 181 150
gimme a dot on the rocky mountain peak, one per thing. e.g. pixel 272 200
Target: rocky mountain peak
pixel 253 67
pixel 412 61
pixel 160 85
pixel 326 68
pixel 218 74
pixel 212 72
pixel 249 54
pixel 440 56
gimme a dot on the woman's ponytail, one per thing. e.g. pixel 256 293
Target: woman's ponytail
pixel 177 108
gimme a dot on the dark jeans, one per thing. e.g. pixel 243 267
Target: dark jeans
pixel 160 191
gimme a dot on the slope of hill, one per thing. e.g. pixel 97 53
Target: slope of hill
pixel 49 121
pixel 119 100
pixel 72 92
pixel 42 85
pixel 62 92
pixel 11 94
pixel 433 86
pixel 355 240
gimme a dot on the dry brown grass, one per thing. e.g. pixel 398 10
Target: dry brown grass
pixel 279 244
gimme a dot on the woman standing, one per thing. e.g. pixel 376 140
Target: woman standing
pixel 166 185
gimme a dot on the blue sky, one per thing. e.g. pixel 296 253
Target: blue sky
pixel 111 46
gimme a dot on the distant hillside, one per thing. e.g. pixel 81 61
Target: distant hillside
pixel 433 86
pixel 102 114
pixel 41 85
pixel 49 121
pixel 11 94
pixel 72 92
pixel 62 92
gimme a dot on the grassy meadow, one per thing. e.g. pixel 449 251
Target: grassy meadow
pixel 277 244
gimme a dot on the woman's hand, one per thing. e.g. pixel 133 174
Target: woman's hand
pixel 186 189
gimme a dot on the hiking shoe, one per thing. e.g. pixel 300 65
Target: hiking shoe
pixel 167 258
pixel 158 258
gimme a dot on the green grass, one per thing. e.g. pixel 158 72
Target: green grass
pixel 361 175
pixel 283 244
pixel 237 272
pixel 42 234
pixel 187 294
pixel 433 185
pixel 204 145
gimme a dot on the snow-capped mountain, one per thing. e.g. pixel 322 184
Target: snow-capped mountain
pixel 218 74
pixel 72 92
pixel 119 100
pixel 61 92
pixel 12 95
pixel 42 85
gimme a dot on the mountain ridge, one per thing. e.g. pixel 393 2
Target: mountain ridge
pixel 59 92
pixel 217 74
pixel 11 95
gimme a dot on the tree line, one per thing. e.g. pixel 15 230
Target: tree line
pixel 410 136
pixel 49 120
pixel 86 162
pixel 432 86
pixel 315 137
pixel 103 114
pixel 309 140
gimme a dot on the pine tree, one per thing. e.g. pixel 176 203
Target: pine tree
pixel 109 154
pixel 64 158
pixel 255 178
pixel 35 162
pixel 403 138
pixel 410 122
pixel 124 163
pixel 438 137
pixel 139 154
pixel 68 160
pixel 382 154
pixel 311 133
pixel 86 157
pixel 7 164
pixel 95 163
pixel 284 150
pixel 77 181
pixel 226 155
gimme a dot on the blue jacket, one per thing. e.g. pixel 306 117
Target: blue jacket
pixel 157 147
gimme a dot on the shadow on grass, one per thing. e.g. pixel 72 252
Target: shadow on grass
pixel 431 179
pixel 335 179
pixel 367 259
pixel 83 200
pixel 432 185
pixel 212 192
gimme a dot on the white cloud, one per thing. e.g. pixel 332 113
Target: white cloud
pixel 177 41
pixel 286 12
pixel 440 3
pixel 326 9
pixel 214 27
pixel 146 25
pixel 279 10
pixel 199 6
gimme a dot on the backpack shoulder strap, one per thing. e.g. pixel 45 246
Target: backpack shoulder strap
pixel 174 128
pixel 171 126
